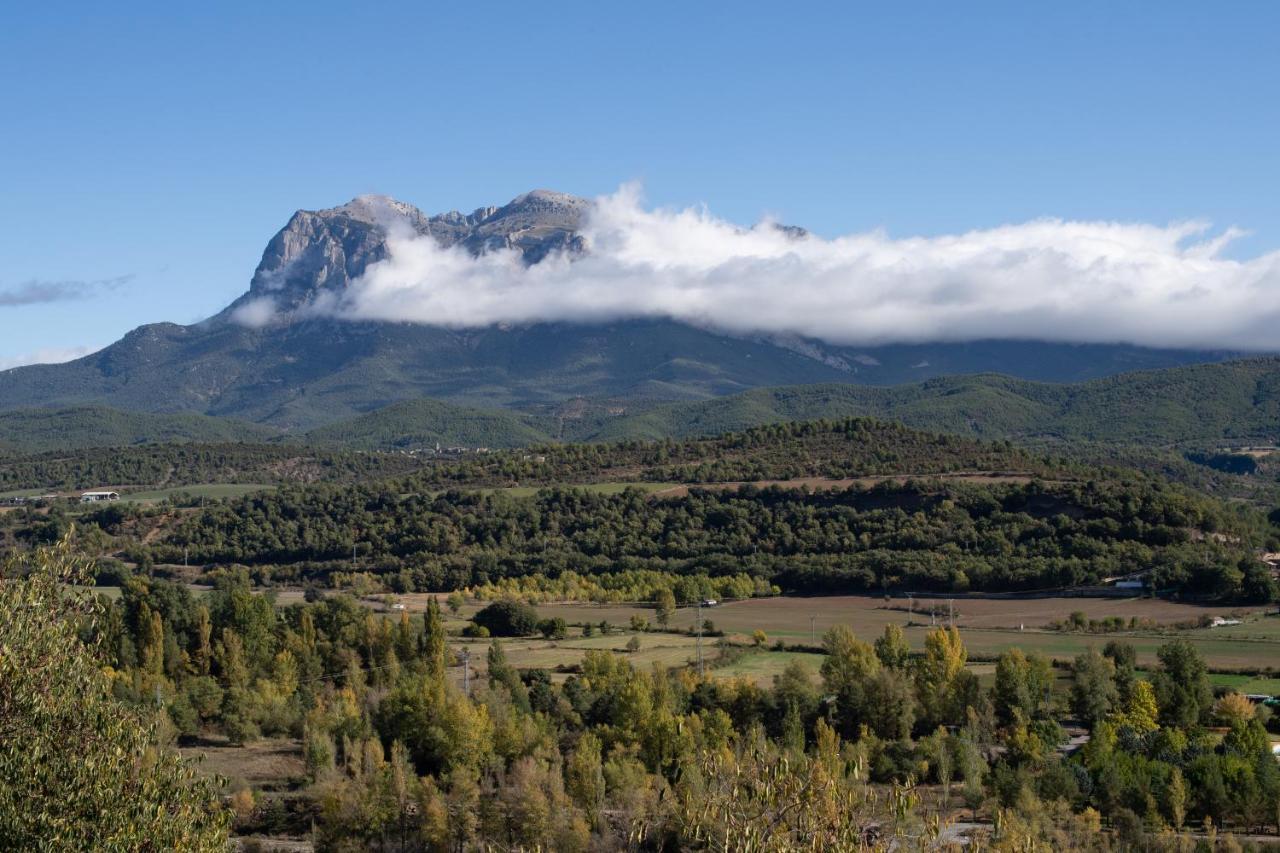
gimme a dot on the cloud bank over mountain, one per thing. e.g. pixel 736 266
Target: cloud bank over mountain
pixel 1052 280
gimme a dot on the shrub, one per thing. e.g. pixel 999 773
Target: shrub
pixel 554 629
pixel 508 618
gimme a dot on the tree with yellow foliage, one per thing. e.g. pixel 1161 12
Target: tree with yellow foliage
pixel 79 770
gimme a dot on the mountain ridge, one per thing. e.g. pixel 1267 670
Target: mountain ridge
pixel 265 359
pixel 1197 406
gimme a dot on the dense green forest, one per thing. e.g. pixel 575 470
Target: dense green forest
pixel 883 749
pixel 920 518
pixel 926 535
pixel 61 429
pixel 157 465
pixel 851 447
pixel 1198 406
pixel 1231 403
pixel 424 423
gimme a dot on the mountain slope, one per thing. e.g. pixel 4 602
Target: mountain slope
pixel 271 358
pixel 38 430
pixel 423 423
pixel 1232 403
pixel 1235 402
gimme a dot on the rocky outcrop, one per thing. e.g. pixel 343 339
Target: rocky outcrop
pixel 326 250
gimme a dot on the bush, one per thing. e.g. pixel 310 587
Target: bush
pixel 508 618
pixel 476 631
pixel 554 629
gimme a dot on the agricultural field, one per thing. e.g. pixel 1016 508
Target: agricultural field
pixel 669 650
pixel 762 665
pixel 989 627
pixel 212 491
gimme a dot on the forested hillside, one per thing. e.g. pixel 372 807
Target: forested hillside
pixel 917 535
pixel 1002 520
pixel 162 465
pixel 850 447
pixel 423 423
pixel 1233 402
pixel 38 430
pixel 1230 403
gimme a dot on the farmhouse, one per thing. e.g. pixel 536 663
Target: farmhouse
pixel 95 497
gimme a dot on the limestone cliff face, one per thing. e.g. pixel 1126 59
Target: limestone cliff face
pixel 324 250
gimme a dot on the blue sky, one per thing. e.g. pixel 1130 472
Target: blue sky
pixel 150 151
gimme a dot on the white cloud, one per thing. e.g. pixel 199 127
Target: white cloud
pixel 255 313
pixel 48 355
pixel 1049 279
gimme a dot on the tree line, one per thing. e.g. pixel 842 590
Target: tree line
pixel 927 535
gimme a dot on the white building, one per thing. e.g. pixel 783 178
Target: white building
pixel 95 497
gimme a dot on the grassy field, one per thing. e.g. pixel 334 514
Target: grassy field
pixel 761 666
pixel 1247 683
pixel 989 627
pixel 669 650
pixel 213 490
pixel 270 763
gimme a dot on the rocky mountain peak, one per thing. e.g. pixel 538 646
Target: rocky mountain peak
pixel 375 210
pixel 328 249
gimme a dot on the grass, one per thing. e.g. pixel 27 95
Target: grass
pixel 1247 683
pixel 762 665
pixel 212 490
pixel 988 627
pixel 668 650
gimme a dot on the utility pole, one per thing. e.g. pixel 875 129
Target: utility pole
pixel 701 671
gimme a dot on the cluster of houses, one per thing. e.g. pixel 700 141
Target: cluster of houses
pixel 450 452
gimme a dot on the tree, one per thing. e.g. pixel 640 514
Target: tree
pixel 664 603
pixel 1233 708
pixel 1022 686
pixel 759 638
pixel 891 704
pixel 1175 799
pixel 1125 658
pixel 846 672
pixel 892 647
pixel 554 628
pixel 433 645
pixel 940 677
pixel 79 770
pixel 584 776
pixel 1141 713
pixel 455 602
pixel 1258 586
pixel 508 618
pixel 1093 687
pixel 1182 687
